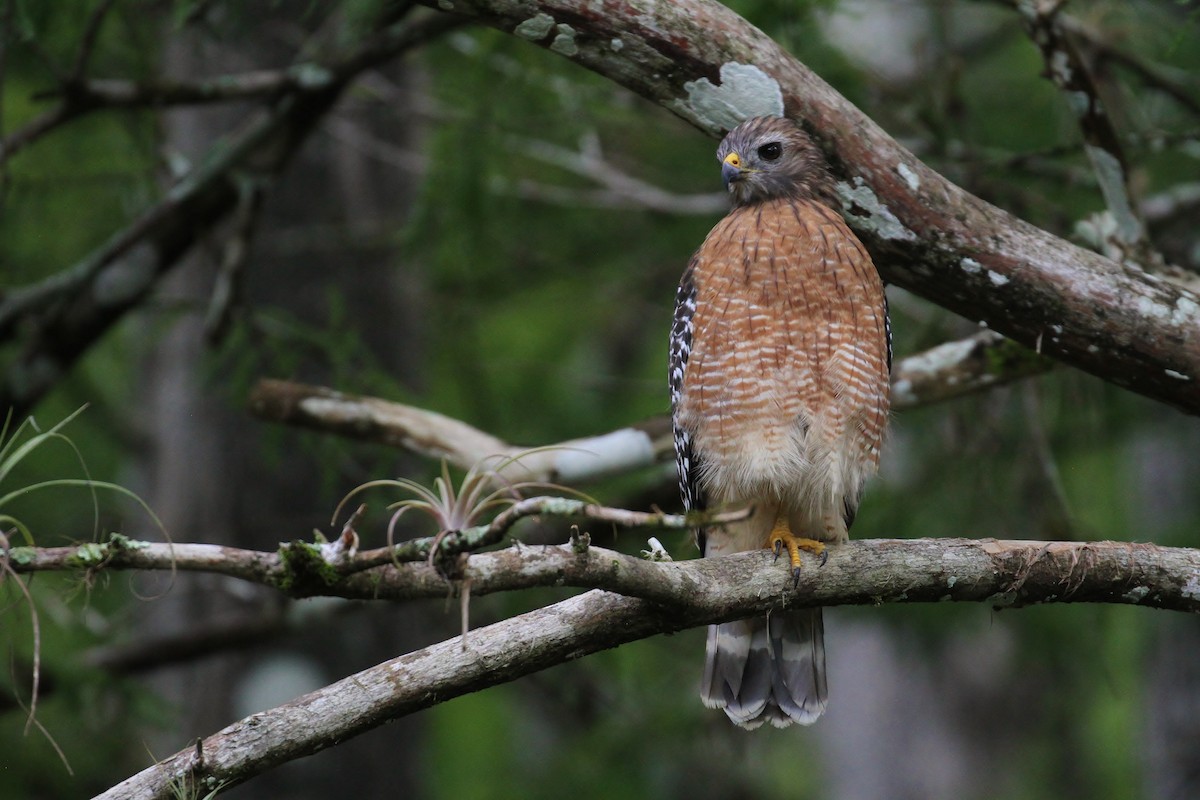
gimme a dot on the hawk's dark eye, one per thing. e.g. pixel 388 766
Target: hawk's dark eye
pixel 770 151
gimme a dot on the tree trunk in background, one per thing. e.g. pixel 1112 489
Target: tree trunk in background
pixel 206 473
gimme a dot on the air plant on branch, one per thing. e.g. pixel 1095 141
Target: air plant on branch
pixel 483 491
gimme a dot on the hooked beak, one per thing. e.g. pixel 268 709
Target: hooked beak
pixel 731 169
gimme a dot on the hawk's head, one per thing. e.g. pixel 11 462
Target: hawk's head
pixel 770 157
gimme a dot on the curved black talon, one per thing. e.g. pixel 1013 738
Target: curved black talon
pixel 824 557
pixel 778 548
pixel 795 577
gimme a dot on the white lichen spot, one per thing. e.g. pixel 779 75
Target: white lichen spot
pixel 999 280
pixel 1137 594
pixel 745 91
pixel 1191 589
pixel 1091 348
pixel 1186 310
pixel 951 581
pixel 446 5
pixel 902 393
pixel 617 45
pixel 910 177
pixel 1151 309
pixel 535 28
pixel 972 266
pixel 564 43
pixel 1078 102
pixel 1056 328
pixel 1179 376
pixel 879 217
pixel 1060 67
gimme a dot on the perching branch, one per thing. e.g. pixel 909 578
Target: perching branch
pixel 950 370
pixel 659 597
pixel 712 68
pixel 1003 573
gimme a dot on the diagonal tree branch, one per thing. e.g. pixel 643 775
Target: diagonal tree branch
pixel 945 372
pixel 709 66
pixel 676 596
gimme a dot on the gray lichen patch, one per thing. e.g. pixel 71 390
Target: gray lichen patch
pixel 745 91
pixel 535 28
pixel 564 43
pixel 911 178
pixel 879 218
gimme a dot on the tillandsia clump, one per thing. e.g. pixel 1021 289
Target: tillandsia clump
pixel 484 491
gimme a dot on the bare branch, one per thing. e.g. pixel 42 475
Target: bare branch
pixel 951 370
pixel 1066 69
pixel 435 435
pixel 1152 75
pixel 87 42
pixel 620 189
pixel 678 595
pixel 925 234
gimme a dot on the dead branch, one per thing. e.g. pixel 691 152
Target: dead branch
pixel 950 370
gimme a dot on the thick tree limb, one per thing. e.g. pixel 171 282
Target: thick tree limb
pixel 674 596
pixel 706 64
pixel 942 373
pixel 1003 573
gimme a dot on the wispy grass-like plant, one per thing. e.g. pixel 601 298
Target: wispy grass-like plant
pixel 483 491
pixel 15 447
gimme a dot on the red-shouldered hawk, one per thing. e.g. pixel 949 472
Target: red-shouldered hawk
pixel 780 356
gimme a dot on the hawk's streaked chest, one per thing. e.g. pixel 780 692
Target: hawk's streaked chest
pixel 788 343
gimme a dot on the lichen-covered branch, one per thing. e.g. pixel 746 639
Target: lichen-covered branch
pixel 306 568
pixel 1003 573
pixel 950 370
pixel 709 66
pixel 654 598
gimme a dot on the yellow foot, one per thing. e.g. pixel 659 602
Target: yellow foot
pixel 782 536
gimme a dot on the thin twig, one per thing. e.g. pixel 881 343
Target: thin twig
pixel 949 371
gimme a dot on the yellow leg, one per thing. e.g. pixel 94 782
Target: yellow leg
pixel 782 536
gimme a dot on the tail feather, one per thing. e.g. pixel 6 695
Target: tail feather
pixel 769 669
